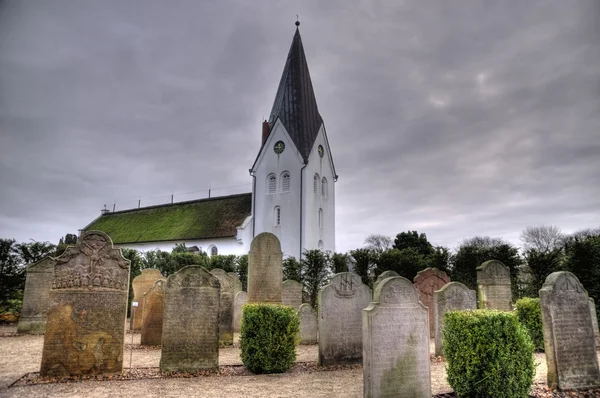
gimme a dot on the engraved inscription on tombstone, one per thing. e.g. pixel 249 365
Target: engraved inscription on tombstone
pixel 265 271
pixel 291 294
pixel 493 286
pixel 241 298
pixel 225 306
pixel 36 296
pixel 141 284
pixel 453 296
pixel 382 276
pixel 308 324
pixel 152 316
pixel 428 281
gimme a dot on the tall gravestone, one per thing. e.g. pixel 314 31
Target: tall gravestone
pixel 428 281
pixel 152 316
pixel 594 316
pixel 340 319
pixel 237 283
pixel 453 296
pixel 225 306
pixel 291 294
pixel 382 276
pixel 493 286
pixel 568 333
pixel 36 296
pixel 396 342
pixel 190 339
pixel 241 298
pixel 141 284
pixel 308 324
pixel 265 271
pixel 85 325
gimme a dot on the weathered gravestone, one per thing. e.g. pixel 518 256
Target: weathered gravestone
pixel 308 324
pixel 291 294
pixel 141 284
pixel 396 342
pixel 568 333
pixel 382 276
pixel 493 286
pixel 225 306
pixel 265 271
pixel 452 297
pixel 237 282
pixel 241 298
pixel 36 296
pixel 428 281
pixel 88 304
pixel 340 319
pixel 594 316
pixel 152 317
pixel 190 340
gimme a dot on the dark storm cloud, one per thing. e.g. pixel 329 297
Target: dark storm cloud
pixel 477 118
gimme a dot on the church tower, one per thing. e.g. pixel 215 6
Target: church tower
pixel 293 193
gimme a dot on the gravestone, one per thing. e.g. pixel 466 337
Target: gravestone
pixel 396 342
pixel 152 317
pixel 225 306
pixel 428 281
pixel 291 294
pixel 237 283
pixel 568 333
pixel 36 296
pixel 308 324
pixel 493 286
pixel 340 319
pixel 265 271
pixel 190 340
pixel 594 316
pixel 241 298
pixel 85 325
pixel 453 296
pixel 382 276
pixel 141 284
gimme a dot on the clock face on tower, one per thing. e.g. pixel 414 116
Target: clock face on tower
pixel 279 147
pixel 321 150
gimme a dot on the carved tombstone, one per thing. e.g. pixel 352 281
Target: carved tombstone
pixel 382 276
pixel 265 271
pixel 340 319
pixel 141 284
pixel 152 317
pixel 190 340
pixel 237 282
pixel 568 333
pixel 493 286
pixel 428 281
pixel 36 296
pixel 453 296
pixel 88 304
pixel 291 294
pixel 396 342
pixel 308 324
pixel 241 298
pixel 225 306
pixel 594 316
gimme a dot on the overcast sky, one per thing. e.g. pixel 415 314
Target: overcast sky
pixel 454 118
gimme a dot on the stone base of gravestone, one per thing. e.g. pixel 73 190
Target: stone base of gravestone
pixel 452 297
pixel 308 324
pixel 494 286
pixel 36 296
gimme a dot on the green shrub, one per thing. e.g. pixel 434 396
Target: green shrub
pixel 268 337
pixel 530 316
pixel 488 353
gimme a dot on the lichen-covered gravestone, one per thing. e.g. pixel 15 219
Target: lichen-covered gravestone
pixel 241 298
pixel 396 342
pixel 382 276
pixel 190 340
pixel 340 319
pixel 141 284
pixel 291 294
pixel 152 317
pixel 36 296
pixel 493 286
pixel 453 296
pixel 237 282
pixel 308 324
pixel 594 316
pixel 225 306
pixel 568 333
pixel 88 304
pixel 428 281
pixel 265 271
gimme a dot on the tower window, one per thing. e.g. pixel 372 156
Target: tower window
pixel 271 184
pixel 324 187
pixel 316 184
pixel 285 182
pixel 277 216
pixel 320 218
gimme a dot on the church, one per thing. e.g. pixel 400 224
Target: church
pixel 293 187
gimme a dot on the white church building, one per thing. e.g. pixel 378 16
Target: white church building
pixel 293 187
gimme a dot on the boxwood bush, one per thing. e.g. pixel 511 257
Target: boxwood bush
pixel 530 316
pixel 488 354
pixel 268 337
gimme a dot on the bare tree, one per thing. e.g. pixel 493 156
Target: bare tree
pixel 378 243
pixel 543 238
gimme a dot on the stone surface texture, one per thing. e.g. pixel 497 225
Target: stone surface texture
pixel 428 281
pixel 225 306
pixel 452 297
pixel 141 284
pixel 265 270
pixel 36 296
pixel 340 308
pixel 152 317
pixel 241 298
pixel 396 342
pixel 493 286
pixel 237 282
pixel 382 276
pixel 308 324
pixel 88 304
pixel 291 294
pixel 594 316
pixel 568 333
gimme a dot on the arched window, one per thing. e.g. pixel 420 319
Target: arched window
pixel 316 184
pixel 321 245
pixel 320 218
pixel 285 181
pixel 271 184
pixel 324 187
pixel 214 251
pixel 277 216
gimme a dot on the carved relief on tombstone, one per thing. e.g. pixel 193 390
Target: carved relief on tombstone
pixel 493 286
pixel 141 284
pixel 428 281
pixel 451 297
pixel 36 296
pixel 382 276
pixel 152 316
pixel 265 270
pixel 225 306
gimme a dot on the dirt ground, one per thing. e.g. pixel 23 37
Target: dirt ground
pixel 20 355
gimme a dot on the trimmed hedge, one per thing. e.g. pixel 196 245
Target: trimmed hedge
pixel 268 337
pixel 530 316
pixel 488 353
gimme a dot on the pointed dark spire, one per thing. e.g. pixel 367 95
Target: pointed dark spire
pixel 295 104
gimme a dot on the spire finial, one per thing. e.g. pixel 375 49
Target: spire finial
pixel 297 20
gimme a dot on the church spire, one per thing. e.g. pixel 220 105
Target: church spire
pixel 295 104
